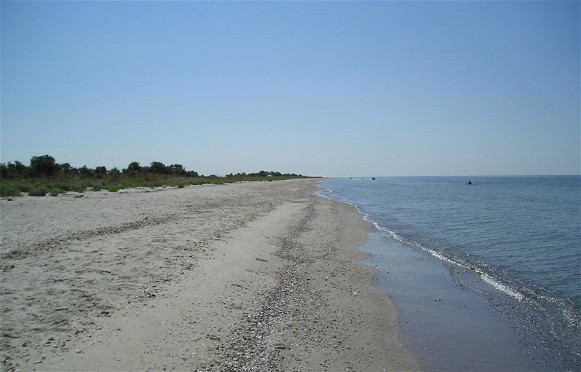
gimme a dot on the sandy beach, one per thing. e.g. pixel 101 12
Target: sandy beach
pixel 249 276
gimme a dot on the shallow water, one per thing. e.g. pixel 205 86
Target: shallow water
pixel 512 242
pixel 445 326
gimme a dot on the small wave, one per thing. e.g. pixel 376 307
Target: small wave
pixel 444 258
pixel 323 194
pixel 485 277
pixel 405 241
pixel 501 287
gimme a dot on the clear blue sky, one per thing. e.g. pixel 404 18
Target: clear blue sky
pixel 318 88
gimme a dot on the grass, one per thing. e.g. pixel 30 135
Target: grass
pixel 112 183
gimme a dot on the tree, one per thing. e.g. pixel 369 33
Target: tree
pixel 13 170
pixel 3 170
pixel 158 167
pixel 84 171
pixel 66 168
pixel 43 166
pixel 177 169
pixel 133 168
pixel 101 171
pixel 18 168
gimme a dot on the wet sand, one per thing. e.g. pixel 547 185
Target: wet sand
pixel 248 276
pixel 446 321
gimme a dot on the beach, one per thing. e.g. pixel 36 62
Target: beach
pixel 247 276
pixel 483 281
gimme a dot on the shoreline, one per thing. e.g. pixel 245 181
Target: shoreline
pixel 262 276
pixel 457 311
pixel 445 321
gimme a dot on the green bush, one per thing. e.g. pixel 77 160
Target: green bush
pixel 113 188
pixel 46 176
pixel 60 191
pixel 24 186
pixel 38 192
pixel 62 186
pixel 9 190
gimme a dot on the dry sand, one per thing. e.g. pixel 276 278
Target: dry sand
pixel 249 276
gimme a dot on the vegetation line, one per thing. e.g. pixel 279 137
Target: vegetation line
pixel 44 176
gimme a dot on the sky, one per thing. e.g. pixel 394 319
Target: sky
pixel 382 88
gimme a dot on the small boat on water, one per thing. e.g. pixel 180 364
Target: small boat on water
pixel 373 178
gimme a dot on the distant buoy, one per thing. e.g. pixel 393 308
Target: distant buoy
pixel 469 182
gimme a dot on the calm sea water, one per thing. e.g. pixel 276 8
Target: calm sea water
pixel 520 236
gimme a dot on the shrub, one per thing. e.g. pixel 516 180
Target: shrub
pixel 24 186
pixel 113 188
pixel 62 186
pixel 38 192
pixel 9 190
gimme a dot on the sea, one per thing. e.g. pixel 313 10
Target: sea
pixel 485 271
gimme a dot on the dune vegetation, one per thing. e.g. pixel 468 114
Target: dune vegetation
pixel 44 176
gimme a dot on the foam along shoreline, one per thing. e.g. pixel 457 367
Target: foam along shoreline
pixel 447 326
pixel 250 275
